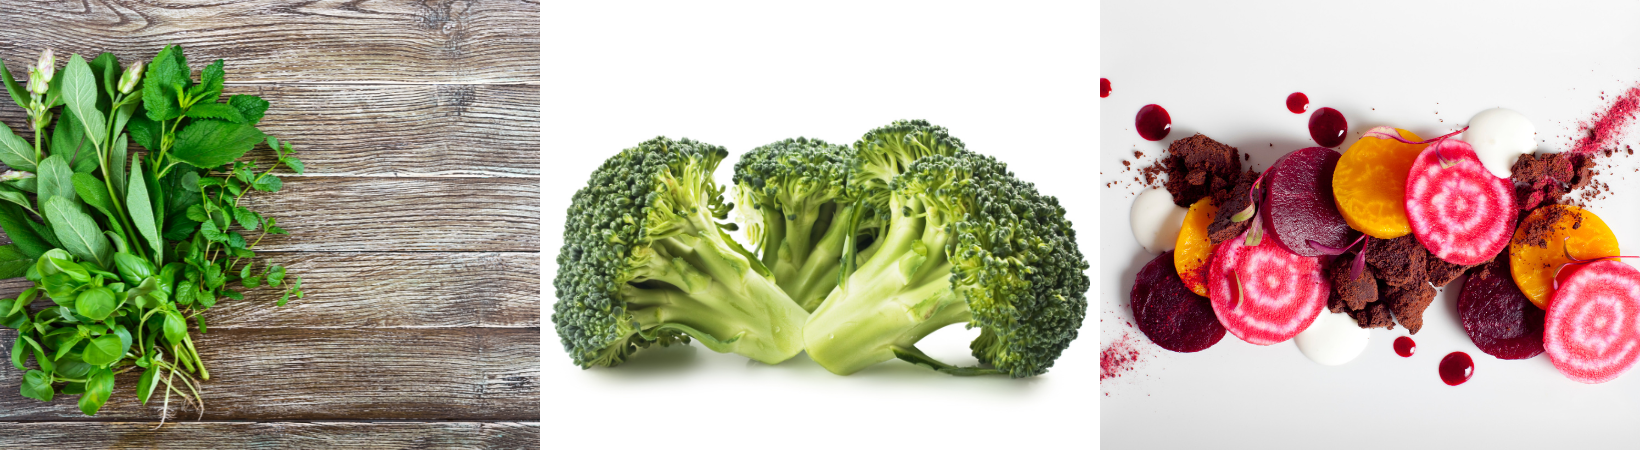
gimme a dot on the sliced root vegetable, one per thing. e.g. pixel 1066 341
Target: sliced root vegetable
pixel 1370 182
pixel 1298 205
pixel 1457 209
pixel 1265 294
pixel 1498 318
pixel 1544 240
pixel 1193 249
pixel 1168 313
pixel 1592 330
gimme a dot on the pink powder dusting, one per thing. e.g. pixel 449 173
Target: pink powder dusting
pixel 1118 358
pixel 1603 130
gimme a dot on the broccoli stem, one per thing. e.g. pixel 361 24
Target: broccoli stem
pixel 817 275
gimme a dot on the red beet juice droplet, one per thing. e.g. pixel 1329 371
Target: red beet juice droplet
pixel 1153 122
pixel 1327 127
pixel 1456 368
pixel 1404 346
pixel 1104 87
pixel 1297 102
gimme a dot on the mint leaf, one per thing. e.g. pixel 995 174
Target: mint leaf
pixel 221 111
pixel 163 84
pixel 247 219
pixel 146 132
pixel 295 164
pixel 208 144
pixel 211 233
pixel 252 107
pixel 268 183
pixel 210 84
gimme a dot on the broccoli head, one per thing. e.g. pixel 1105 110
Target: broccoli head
pixel 965 242
pixel 798 214
pixel 646 261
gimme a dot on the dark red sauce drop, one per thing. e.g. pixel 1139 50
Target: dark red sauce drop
pixel 1297 102
pixel 1153 122
pixel 1104 87
pixel 1327 127
pixel 1404 346
pixel 1456 368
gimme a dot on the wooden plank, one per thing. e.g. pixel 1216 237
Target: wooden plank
pixel 295 40
pixel 384 290
pixel 186 435
pixel 335 374
pixel 403 130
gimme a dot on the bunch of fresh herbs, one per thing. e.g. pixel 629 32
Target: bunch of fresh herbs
pixel 125 250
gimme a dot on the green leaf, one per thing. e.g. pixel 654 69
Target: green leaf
pixel 244 171
pixel 116 164
pixel 210 84
pixel 219 111
pixel 96 304
pixel 176 328
pixel 162 85
pixel 68 139
pixel 125 338
pixel 37 385
pixel 146 384
pixel 107 69
pixel 211 232
pixel 56 180
pixel 13 261
pixel 19 94
pixel 276 275
pixel 40 358
pixel 146 132
pixel 236 240
pixel 15 151
pixel 249 106
pixel 295 164
pixel 72 366
pixel 78 233
pixel 20 228
pixel 268 183
pixel 12 195
pixel 132 268
pixel 102 351
pixel 185 291
pixel 80 94
pixel 23 300
pixel 209 144
pixel 94 193
pixel 97 390
pixel 141 208
pixel 18 352
pixel 197 213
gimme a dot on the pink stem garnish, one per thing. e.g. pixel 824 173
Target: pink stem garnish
pixel 1579 262
pixel 1438 154
pixel 1360 257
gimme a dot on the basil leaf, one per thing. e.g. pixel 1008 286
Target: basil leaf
pixel 102 351
pixel 176 329
pixel 146 385
pixel 97 390
pixel 37 385
pixel 96 304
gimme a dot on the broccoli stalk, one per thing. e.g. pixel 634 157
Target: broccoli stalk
pixel 797 212
pixel 646 261
pixel 966 242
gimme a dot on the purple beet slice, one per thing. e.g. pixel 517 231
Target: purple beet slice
pixel 1498 317
pixel 1299 206
pixel 1169 313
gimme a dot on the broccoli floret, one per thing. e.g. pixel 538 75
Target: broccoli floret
pixel 797 213
pixel 966 242
pixel 646 261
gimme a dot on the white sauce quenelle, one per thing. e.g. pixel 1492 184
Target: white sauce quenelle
pixel 1500 136
pixel 1333 339
pixel 1156 220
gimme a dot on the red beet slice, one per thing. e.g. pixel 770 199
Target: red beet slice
pixel 1299 205
pixel 1265 294
pixel 1169 313
pixel 1592 331
pixel 1461 213
pixel 1498 317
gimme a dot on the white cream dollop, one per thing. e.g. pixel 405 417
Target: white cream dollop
pixel 1500 136
pixel 1156 220
pixel 1333 339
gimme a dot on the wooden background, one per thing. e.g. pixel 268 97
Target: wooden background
pixel 416 228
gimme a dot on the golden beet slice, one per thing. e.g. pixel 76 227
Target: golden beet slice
pixel 1193 249
pixel 1542 241
pixel 1370 183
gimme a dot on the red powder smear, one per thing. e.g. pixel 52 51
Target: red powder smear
pixel 1608 125
pixel 1118 358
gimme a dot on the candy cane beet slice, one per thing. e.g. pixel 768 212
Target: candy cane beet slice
pixel 1461 213
pixel 1592 330
pixel 1265 294
pixel 1169 313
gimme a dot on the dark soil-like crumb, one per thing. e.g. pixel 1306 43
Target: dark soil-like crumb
pixel 1356 292
pixel 1233 201
pixel 1408 303
pixel 1536 232
pixel 1440 273
pixel 1375 315
pixel 1197 166
pixel 1398 262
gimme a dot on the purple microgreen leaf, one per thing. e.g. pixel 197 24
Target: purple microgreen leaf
pixel 1323 248
pixel 1359 264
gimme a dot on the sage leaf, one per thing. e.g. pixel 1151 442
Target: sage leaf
pixel 20 228
pixel 56 180
pixel 80 94
pixel 116 164
pixel 77 232
pixel 209 144
pixel 93 192
pixel 12 195
pixel 18 94
pixel 14 263
pixel 106 67
pixel 97 390
pixel 15 151
pixel 141 208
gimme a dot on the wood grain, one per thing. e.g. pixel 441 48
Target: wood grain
pixel 404 214
pixel 393 131
pixel 336 374
pixel 186 435
pixel 383 290
pixel 438 41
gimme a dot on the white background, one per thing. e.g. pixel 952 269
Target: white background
pixel 1225 71
pixel 1016 82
